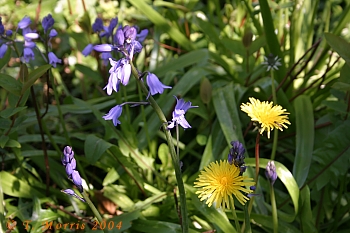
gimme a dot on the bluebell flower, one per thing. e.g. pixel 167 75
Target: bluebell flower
pixel 155 86
pixel 87 50
pixel 8 33
pixel 24 23
pixel 108 31
pixel 105 57
pixel 77 180
pixel 47 22
pixel 119 37
pixel 103 48
pixel 119 73
pixel 53 33
pixel 114 114
pixel 70 164
pixel 142 35
pixel 28 54
pixel 236 154
pixel 97 26
pixel 179 114
pixel 53 60
pixel 270 172
pixel 70 192
pixel 2 28
pixel 3 49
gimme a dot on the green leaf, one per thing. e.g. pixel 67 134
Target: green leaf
pixel 3 140
pixel 226 110
pixel 287 179
pixel 11 111
pixel 341 46
pixel 89 73
pixel 6 58
pixel 306 219
pixel 94 148
pixel 305 134
pixel 213 215
pixel 163 23
pixel 33 76
pixel 13 143
pixel 15 187
pixel 10 84
pixel 205 90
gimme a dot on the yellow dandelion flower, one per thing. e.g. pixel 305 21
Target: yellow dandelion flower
pixel 219 181
pixel 267 115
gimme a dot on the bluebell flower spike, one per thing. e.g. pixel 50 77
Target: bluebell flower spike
pixel 236 154
pixel 47 22
pixel 270 172
pixel 70 192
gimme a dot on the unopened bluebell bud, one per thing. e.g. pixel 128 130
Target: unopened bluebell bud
pixel 69 170
pixel 120 36
pixel 77 180
pixel 270 172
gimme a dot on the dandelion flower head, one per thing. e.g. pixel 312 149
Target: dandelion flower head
pixel 219 181
pixel 267 115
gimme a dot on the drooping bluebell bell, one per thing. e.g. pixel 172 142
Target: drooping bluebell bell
pixel 53 59
pixel 53 33
pixel 88 49
pixel 3 49
pixel 97 26
pixel 154 84
pixel 114 115
pixel 70 192
pixel 69 162
pixel 270 172
pixel 47 22
pixel 28 54
pixel 119 73
pixel 236 154
pixel 24 23
pixel 179 114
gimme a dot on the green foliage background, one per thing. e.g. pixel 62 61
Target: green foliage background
pixel 210 52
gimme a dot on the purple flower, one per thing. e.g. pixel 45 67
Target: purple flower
pixel 108 31
pixel 69 170
pixel 114 114
pixel 28 54
pixel 105 57
pixel 129 34
pixel 179 114
pixel 119 37
pixel 2 28
pixel 87 50
pixel 53 60
pixel 53 33
pixel 97 26
pixel 155 86
pixel 77 180
pixel 103 48
pixel 24 23
pixel 31 36
pixel 3 50
pixel 47 22
pixel 70 192
pixel 236 154
pixel 270 172
pixel 8 33
pixel 142 35
pixel 119 73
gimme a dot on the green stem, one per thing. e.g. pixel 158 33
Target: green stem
pixel 248 228
pixel 93 208
pixel 238 227
pixel 175 159
pixel 274 209
pixel 275 136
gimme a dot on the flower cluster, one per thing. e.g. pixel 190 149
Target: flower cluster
pixel 236 155
pixel 29 36
pixel 266 115
pixel 70 164
pixel 179 114
pixel 270 172
pixel 125 40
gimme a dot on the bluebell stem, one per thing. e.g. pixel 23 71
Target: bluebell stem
pixel 70 166
pixel 179 114
pixel 270 172
pixel 53 60
pixel 88 49
pixel 70 192
pixel 114 114
pixel 236 154
pixel 47 22
pixel 155 86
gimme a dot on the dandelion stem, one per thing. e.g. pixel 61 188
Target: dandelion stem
pixel 275 136
pixel 274 209
pixel 238 227
pixel 175 159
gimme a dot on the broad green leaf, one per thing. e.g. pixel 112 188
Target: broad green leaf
pixel 213 215
pixel 11 111
pixel 33 76
pixel 227 112
pixel 3 140
pixel 341 46
pixel 10 84
pixel 206 90
pixel 343 83
pixel 16 187
pixel 306 219
pixel 13 143
pixel 94 148
pixel 89 73
pixel 163 23
pixel 305 134
pixel 287 179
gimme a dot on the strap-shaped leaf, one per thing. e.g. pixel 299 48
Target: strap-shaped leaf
pixel 33 76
